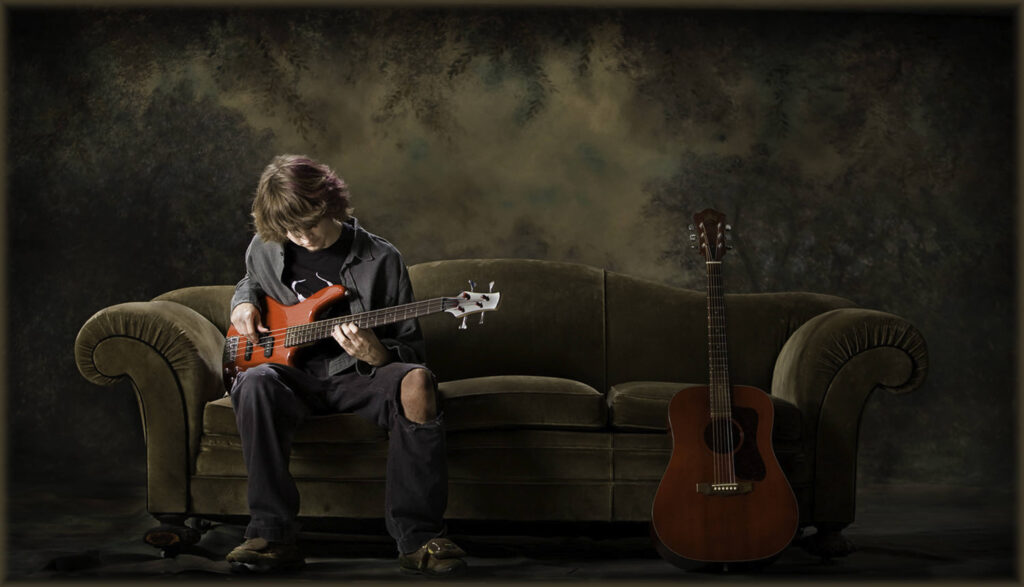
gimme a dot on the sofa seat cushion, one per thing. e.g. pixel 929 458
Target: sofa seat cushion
pixel 521 401
pixel 643 406
pixel 219 420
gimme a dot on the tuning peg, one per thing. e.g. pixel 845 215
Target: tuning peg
pixel 463 325
pixel 490 289
pixel 472 285
pixel 728 227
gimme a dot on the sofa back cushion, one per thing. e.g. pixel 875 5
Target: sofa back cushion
pixel 659 333
pixel 549 322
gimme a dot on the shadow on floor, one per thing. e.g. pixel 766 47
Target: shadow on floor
pixel 901 532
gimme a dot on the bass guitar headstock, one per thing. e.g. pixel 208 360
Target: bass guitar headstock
pixel 708 234
pixel 471 302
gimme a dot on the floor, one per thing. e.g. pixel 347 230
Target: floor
pixel 901 533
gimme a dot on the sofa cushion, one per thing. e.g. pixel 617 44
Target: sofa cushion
pixel 521 401
pixel 508 401
pixel 643 405
pixel 219 419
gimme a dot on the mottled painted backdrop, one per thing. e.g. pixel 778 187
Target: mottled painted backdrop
pixel 864 155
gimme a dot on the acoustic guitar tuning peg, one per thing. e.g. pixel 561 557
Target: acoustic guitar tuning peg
pixel 490 287
pixel 472 285
pixel 463 325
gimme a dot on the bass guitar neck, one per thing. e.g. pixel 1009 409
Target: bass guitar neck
pixel 290 328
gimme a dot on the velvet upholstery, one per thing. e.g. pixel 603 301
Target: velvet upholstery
pixel 643 405
pixel 555 406
pixel 828 368
pixel 757 326
pixel 219 420
pixel 517 401
pixel 207 300
pixel 171 355
pixel 549 322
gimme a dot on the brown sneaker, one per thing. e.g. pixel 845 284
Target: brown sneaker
pixel 261 556
pixel 440 556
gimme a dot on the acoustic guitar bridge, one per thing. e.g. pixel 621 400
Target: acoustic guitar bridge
pixel 725 488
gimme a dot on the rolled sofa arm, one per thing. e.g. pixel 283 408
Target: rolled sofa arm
pixel 828 368
pixel 172 356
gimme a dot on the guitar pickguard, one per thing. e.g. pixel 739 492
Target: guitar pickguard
pixel 748 462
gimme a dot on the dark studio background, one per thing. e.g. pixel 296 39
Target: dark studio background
pixel 858 154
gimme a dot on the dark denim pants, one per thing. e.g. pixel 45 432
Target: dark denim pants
pixel 271 401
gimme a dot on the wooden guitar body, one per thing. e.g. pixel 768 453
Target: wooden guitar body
pixel 723 498
pixel 696 521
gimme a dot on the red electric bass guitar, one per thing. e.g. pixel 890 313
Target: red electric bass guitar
pixel 294 327
pixel 724 499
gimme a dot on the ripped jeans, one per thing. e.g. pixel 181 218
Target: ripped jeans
pixel 271 401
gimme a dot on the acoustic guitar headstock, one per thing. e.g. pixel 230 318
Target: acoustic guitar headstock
pixel 708 234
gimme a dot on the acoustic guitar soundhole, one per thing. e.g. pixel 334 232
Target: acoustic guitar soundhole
pixel 723 437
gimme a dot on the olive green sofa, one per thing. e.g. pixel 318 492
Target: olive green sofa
pixel 555 406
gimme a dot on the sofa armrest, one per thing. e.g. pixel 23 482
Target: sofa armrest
pixel 172 356
pixel 828 368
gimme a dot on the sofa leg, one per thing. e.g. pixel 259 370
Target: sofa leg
pixel 828 542
pixel 171 535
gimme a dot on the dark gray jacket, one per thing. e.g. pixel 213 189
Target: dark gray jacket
pixel 374 276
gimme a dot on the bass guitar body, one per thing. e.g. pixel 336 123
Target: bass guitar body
pixel 290 328
pixel 242 354
pixel 750 513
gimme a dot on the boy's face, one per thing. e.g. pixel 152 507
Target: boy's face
pixel 317 237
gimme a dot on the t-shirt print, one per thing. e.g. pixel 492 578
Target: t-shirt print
pixel 303 288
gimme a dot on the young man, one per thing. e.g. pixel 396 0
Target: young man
pixel 305 240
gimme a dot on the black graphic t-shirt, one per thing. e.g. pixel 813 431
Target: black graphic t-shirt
pixel 307 272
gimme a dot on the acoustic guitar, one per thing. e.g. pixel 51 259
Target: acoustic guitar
pixel 293 327
pixel 723 499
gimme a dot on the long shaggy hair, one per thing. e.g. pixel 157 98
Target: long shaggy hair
pixel 295 193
